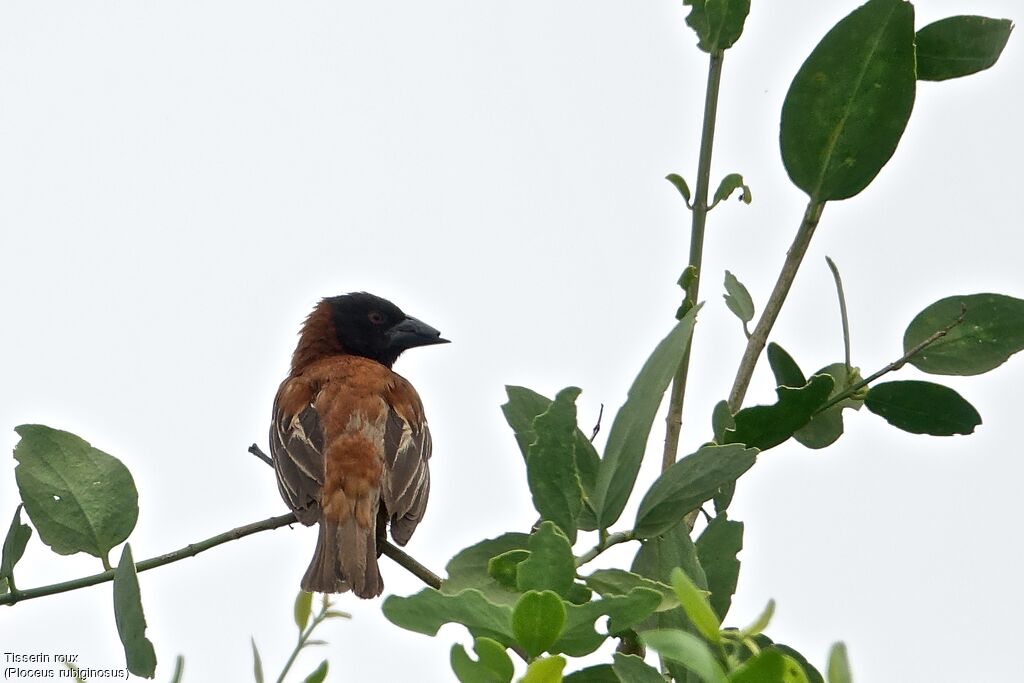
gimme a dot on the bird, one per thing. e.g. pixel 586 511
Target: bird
pixel 349 439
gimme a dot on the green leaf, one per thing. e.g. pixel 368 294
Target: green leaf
pixel 627 439
pixel 602 673
pixel 257 662
pixel 633 669
pixel 761 622
pixel 303 608
pixel 729 184
pixel 992 330
pixel 787 372
pixel 471 567
pixel 839 665
pixel 659 556
pixel 79 498
pixel 492 665
pixel 610 582
pixel 737 298
pixel 551 564
pixel 827 426
pixel 537 621
pixel 765 427
pixel 319 674
pixel 551 464
pixel 179 669
pixel 623 611
pixel 686 484
pixel 656 559
pixel 769 665
pixel 14 547
pixel 523 407
pixel 718 23
pixel 695 604
pixel 687 649
pixel 960 46
pixel 812 674
pixel 504 568
pixel 923 408
pixel 548 670
pixel 680 184
pixel 849 103
pixel 131 622
pixel 427 611
pixel 717 548
pixel 721 420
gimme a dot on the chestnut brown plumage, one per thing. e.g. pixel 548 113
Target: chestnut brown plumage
pixel 349 440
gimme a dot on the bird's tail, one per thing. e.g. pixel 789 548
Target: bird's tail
pixel 345 558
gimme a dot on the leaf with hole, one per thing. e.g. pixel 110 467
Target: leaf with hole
pixel 79 498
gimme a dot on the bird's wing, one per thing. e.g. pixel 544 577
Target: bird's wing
pixel 407 449
pixel 297 446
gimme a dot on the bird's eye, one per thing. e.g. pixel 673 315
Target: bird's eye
pixel 376 317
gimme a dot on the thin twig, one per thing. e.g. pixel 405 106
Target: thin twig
pixel 674 419
pixel 607 542
pixel 403 559
pixel 597 427
pixel 190 550
pixel 896 364
pixel 759 337
pixel 400 557
pixel 842 311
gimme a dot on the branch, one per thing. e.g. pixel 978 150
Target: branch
pixel 774 305
pixel 607 542
pixel 674 419
pixel 896 364
pixel 399 556
pixel 190 550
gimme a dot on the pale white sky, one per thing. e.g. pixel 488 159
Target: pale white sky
pixel 180 182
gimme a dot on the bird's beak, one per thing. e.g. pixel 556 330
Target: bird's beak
pixel 412 332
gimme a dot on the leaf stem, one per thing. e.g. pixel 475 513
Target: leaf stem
pixel 674 419
pixel 607 542
pixel 895 365
pixel 190 550
pixel 842 310
pixel 759 337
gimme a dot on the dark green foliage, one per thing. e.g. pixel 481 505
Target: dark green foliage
pixel 131 622
pixel 960 46
pixel 923 408
pixel 849 103
pixel 991 330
